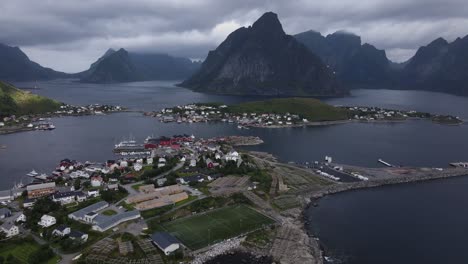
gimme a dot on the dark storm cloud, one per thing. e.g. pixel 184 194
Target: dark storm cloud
pixel 69 35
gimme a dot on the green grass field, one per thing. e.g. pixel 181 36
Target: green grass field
pixel 202 230
pixel 312 109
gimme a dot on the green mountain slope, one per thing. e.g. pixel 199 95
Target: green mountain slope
pixel 14 101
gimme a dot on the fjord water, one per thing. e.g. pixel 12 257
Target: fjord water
pixel 436 205
pixel 406 224
pixel 418 143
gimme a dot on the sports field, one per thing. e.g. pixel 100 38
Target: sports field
pixel 202 230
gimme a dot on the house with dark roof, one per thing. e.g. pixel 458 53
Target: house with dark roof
pixel 193 178
pixel 9 229
pixel 78 235
pixel 61 231
pixel 4 213
pixel 166 242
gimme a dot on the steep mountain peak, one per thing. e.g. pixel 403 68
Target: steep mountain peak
pixel 109 52
pixel 268 23
pixel 345 37
pixel 439 42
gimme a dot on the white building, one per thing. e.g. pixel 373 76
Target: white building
pixel 9 229
pixel 47 220
pixel 96 181
pixel 21 218
pixel 137 166
pixel 232 155
pixel 93 193
pixel 166 242
pixel 61 231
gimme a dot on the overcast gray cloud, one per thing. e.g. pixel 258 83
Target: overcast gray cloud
pixel 69 35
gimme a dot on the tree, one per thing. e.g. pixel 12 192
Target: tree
pixel 77 184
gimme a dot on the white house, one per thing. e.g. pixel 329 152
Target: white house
pixel 47 220
pixel 149 161
pixel 93 193
pixel 137 166
pixel 166 242
pixel 193 163
pixel 96 181
pixel 74 234
pixel 9 229
pixel 232 155
pixel 61 231
pixel 21 218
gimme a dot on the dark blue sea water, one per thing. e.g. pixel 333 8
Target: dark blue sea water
pixel 398 224
pixel 410 223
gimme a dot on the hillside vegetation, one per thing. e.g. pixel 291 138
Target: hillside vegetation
pixel 312 109
pixel 14 101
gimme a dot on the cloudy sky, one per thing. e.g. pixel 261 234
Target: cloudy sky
pixel 70 35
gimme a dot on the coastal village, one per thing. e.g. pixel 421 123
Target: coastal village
pixel 195 113
pixel 182 199
pixel 13 123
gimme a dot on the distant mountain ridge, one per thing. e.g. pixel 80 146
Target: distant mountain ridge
pixel 440 66
pixel 16 66
pixel 123 66
pixel 355 64
pixel 263 60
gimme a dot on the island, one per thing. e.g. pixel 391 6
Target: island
pixel 24 111
pixel 289 112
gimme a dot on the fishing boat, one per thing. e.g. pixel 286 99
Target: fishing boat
pixel 33 173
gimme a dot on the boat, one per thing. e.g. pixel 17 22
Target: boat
pixel 45 126
pixel 43 176
pixel 30 125
pixel 33 173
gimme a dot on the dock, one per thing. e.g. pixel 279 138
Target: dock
pixel 385 163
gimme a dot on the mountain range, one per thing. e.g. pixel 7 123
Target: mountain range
pixel 355 64
pixel 123 66
pixel 263 60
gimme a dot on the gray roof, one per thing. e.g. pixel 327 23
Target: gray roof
pixel 76 234
pixel 40 186
pixel 105 222
pixel 92 208
pixel 7 225
pixel 164 239
pixel 5 211
pixel 61 228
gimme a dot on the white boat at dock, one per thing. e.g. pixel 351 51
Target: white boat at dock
pixel 33 173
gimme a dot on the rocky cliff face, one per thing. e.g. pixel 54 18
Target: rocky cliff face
pixel 354 64
pixel 439 66
pixel 263 60
pixel 16 66
pixel 123 66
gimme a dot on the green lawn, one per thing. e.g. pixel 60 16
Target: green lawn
pixel 21 250
pixel 109 212
pixel 202 230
